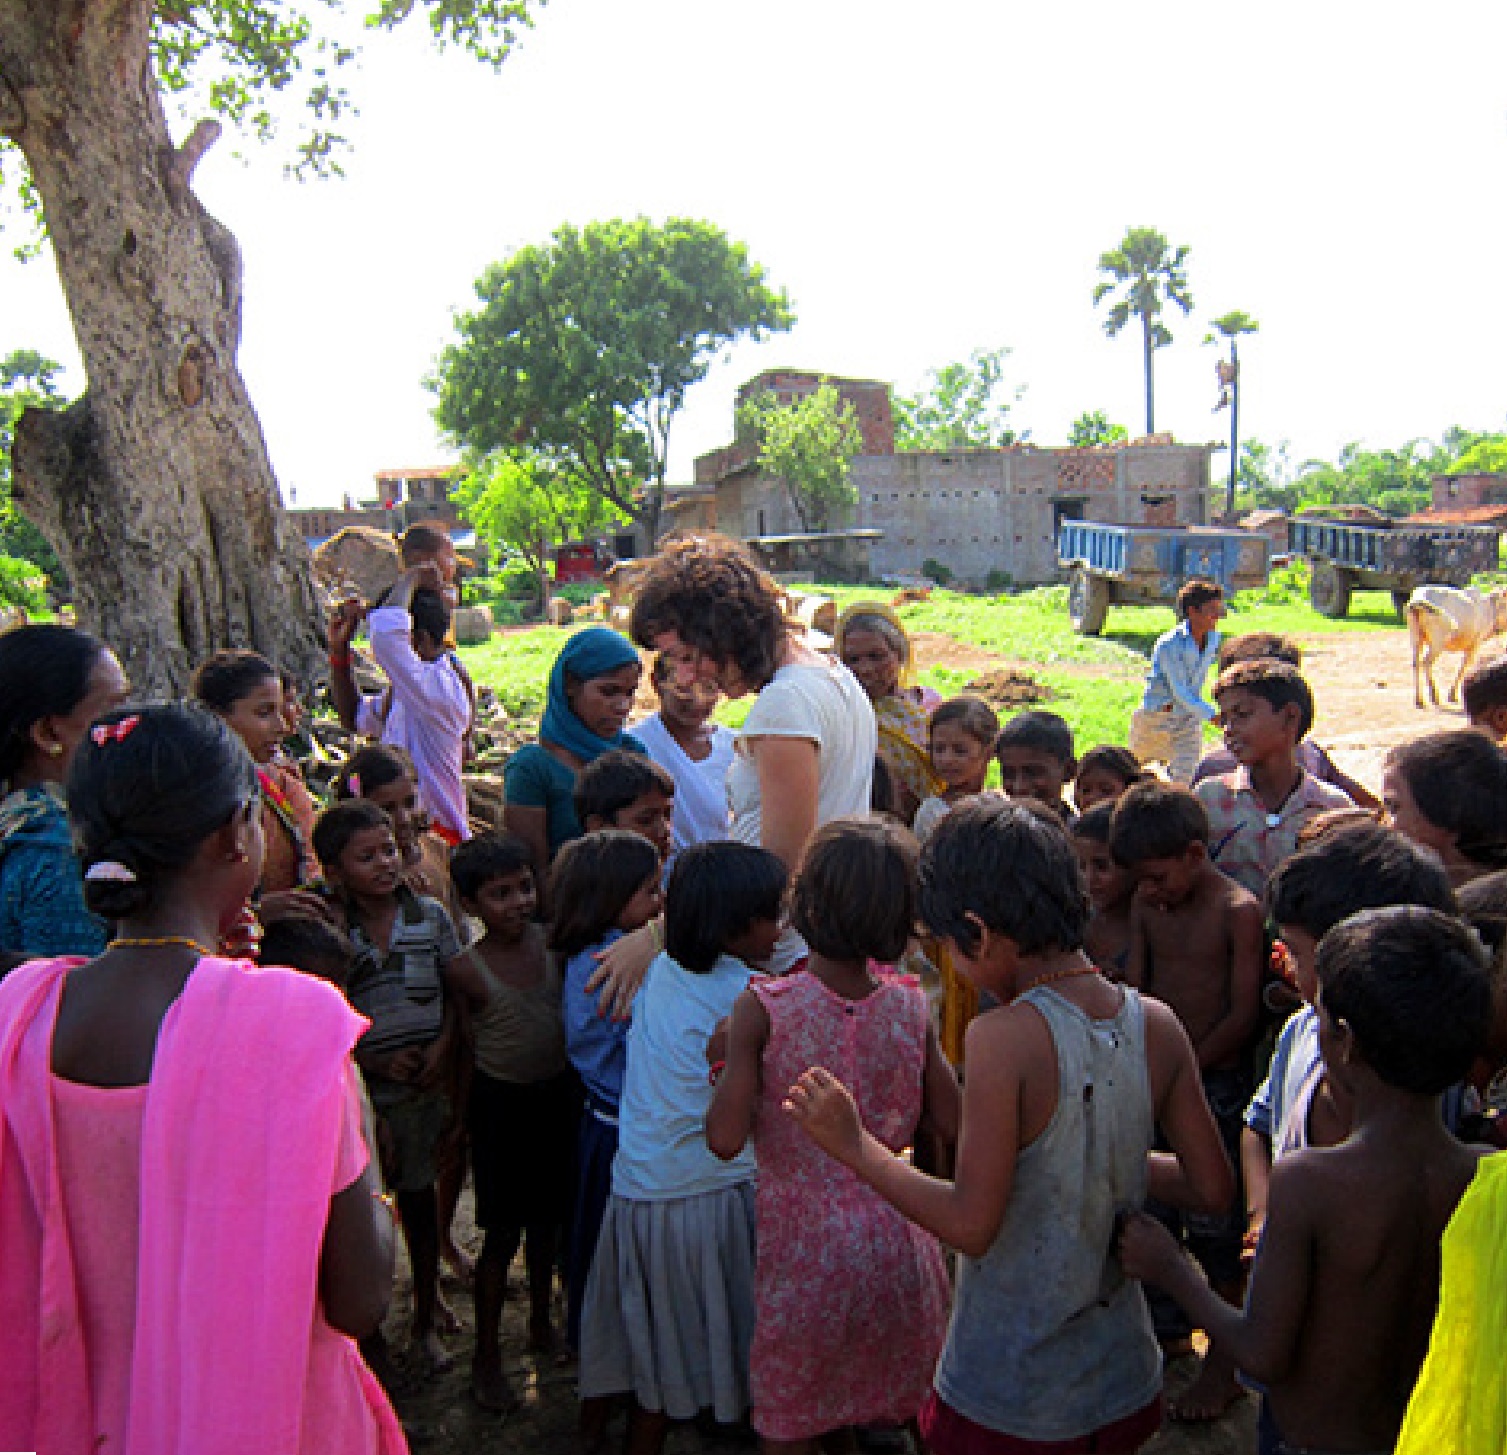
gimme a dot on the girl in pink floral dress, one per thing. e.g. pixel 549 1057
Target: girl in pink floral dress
pixel 851 1298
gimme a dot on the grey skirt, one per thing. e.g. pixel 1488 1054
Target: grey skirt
pixel 669 1313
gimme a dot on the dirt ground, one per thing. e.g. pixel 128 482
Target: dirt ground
pixel 1363 686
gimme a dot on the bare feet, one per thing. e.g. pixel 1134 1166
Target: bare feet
pixel 445 1317
pixel 429 1354
pixel 1209 1396
pixel 458 1263
pixel 491 1390
pixel 542 1339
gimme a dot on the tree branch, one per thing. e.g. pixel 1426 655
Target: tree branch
pixel 182 162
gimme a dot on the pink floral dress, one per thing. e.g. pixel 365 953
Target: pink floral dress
pixel 851 1298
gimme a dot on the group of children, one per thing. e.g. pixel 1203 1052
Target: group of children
pixel 750 1183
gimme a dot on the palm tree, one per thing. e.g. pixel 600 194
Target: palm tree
pixel 1153 273
pixel 1231 326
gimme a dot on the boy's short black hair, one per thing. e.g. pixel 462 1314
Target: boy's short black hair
pixel 1093 824
pixel 1110 758
pixel 618 778
pixel 1458 779
pixel 1485 687
pixel 855 894
pixel 477 861
pixel 1041 732
pixel 593 879
pixel 340 823
pixel 1196 592
pixel 430 613
pixel 1356 867
pixel 972 714
pixel 1156 821
pixel 1414 986
pixel 1014 869
pixel 306 942
pixel 1258 646
pixel 1278 683
pixel 718 890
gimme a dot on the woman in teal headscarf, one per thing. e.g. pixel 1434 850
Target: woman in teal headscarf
pixel 591 689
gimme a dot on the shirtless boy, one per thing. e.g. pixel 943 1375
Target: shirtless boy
pixel 1344 1292
pixel 1196 943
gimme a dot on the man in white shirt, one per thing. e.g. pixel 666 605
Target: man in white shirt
pixel 426 709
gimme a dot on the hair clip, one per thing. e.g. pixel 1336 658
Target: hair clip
pixel 109 871
pixel 354 784
pixel 105 732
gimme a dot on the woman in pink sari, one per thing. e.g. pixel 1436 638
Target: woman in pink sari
pixel 192 1232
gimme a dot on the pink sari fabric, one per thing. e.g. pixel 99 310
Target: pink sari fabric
pixel 240 1136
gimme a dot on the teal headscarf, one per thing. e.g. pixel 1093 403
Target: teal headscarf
pixel 591 653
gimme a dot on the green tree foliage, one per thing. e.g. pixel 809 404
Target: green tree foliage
pixel 1092 427
pixel 261 64
pixel 1396 481
pixel 520 501
pixel 1143 275
pixel 28 380
pixel 1486 454
pixel 966 405
pixel 810 445
pixel 584 348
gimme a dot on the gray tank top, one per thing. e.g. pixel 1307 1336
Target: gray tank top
pixel 1049 1340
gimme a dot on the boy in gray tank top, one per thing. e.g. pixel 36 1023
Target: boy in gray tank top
pixel 1048 1342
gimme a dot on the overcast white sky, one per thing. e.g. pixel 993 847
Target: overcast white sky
pixel 924 180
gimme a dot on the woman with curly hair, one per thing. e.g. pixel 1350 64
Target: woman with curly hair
pixel 806 752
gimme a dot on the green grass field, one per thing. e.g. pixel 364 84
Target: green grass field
pixel 1095 682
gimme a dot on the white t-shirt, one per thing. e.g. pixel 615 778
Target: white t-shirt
pixel 428 716
pixel 700 787
pixel 824 704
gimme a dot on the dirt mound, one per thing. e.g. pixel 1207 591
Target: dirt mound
pixel 1008 687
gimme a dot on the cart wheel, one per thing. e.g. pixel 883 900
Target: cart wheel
pixel 1087 602
pixel 1400 601
pixel 1329 591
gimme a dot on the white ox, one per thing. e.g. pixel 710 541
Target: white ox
pixel 1451 619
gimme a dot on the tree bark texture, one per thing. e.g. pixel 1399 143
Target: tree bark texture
pixel 155 488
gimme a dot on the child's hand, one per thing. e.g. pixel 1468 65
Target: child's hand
pixel 827 1113
pixel 1148 1251
pixel 344 620
pixel 426 577
pixel 404 1065
pixel 434 1061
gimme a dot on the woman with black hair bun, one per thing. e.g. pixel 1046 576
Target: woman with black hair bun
pixel 193 1232
pixel 54 681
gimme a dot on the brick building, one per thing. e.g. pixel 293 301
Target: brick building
pixel 403 497
pixel 976 511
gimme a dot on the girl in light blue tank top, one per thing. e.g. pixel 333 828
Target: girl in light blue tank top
pixel 1049 1342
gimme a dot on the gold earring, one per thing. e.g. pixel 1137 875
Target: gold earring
pixel 54 750
pixel 239 857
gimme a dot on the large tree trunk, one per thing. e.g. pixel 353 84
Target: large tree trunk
pixel 155 488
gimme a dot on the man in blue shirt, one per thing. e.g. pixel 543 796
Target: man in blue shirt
pixel 1168 725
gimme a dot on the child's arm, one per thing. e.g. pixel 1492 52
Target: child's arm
pixel 463 980
pixel 1197 1174
pixel 941 1101
pixel 1136 958
pixel 344 692
pixel 729 1119
pixel 966 1212
pixel 438 1053
pixel 1263 1339
pixel 1256 1171
pixel 1231 1036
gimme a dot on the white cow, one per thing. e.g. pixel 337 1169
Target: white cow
pixel 1451 619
